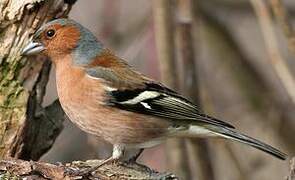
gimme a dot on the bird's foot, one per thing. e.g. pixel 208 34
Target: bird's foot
pixel 105 162
pixel 134 158
pixel 91 170
pixel 132 164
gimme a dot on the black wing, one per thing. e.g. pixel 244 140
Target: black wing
pixel 157 100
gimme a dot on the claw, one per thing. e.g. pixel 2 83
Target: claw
pixel 91 170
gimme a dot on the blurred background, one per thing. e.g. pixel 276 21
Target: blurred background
pixel 235 58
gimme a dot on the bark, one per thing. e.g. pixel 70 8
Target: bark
pixel 27 129
pixel 19 169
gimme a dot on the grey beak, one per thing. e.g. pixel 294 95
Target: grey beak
pixel 33 48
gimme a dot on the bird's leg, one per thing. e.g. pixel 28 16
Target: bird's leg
pixel 131 161
pixel 135 157
pixel 118 151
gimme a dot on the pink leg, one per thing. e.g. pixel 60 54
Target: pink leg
pixel 118 151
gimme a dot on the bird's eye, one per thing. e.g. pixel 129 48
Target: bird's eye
pixel 50 33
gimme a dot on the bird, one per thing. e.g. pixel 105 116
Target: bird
pixel 104 96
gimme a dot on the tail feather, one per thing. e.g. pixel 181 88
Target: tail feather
pixel 232 134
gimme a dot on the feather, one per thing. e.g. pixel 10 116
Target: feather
pixel 239 137
pixel 137 93
pixel 160 101
pixel 115 72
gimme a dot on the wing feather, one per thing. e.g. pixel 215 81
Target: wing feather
pixel 131 91
pixel 162 102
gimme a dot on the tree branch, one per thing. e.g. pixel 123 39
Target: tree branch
pixel 12 168
pixel 283 19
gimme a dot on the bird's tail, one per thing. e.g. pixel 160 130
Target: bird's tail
pixel 229 133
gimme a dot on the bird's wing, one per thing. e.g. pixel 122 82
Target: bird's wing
pixel 160 101
pixel 132 91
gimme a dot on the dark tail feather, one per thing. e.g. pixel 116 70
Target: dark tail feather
pixel 231 134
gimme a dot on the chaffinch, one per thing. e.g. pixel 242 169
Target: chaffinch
pixel 105 97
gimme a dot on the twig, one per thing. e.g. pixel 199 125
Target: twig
pixel 199 148
pixel 236 8
pixel 275 57
pixel 291 175
pixel 282 18
pixel 232 58
pixel 248 76
pixel 164 32
pixel 236 161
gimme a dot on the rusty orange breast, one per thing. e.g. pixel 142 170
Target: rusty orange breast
pixel 83 98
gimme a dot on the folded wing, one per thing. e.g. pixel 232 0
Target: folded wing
pixel 157 100
pixel 129 90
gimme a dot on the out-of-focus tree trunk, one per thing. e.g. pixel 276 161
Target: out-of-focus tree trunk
pixel 27 130
pixel 164 30
pixel 280 67
pixel 291 175
pixel 200 158
pixel 275 57
pixel 248 80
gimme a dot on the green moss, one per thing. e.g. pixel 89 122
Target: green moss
pixel 8 176
pixel 13 100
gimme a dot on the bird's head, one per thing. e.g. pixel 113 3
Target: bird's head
pixel 62 37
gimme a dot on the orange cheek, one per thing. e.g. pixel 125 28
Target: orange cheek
pixel 63 43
